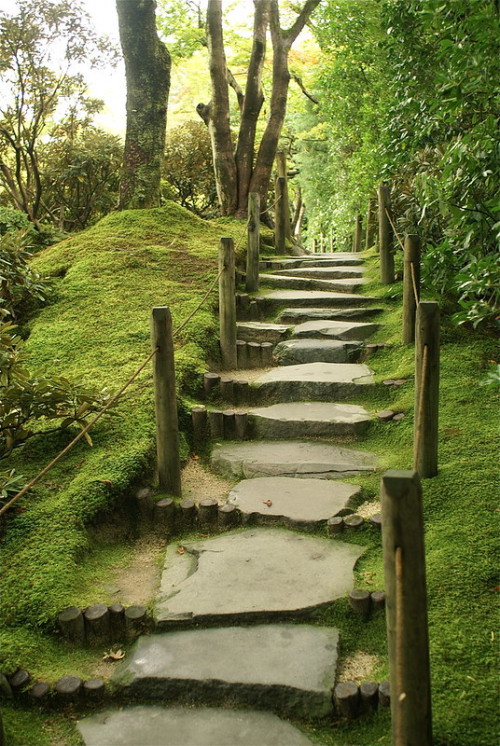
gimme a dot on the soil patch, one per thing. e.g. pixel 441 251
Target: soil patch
pixel 358 667
pixel 199 483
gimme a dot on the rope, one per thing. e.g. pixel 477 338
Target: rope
pixel 423 391
pixel 414 283
pixel 394 228
pixel 399 572
pixel 202 301
pixel 80 435
pixel 271 206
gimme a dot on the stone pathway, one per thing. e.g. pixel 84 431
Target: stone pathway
pixel 225 638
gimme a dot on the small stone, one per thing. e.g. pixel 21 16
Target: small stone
pixel 376 521
pixel 399 381
pixel 386 415
pixel 398 417
pixel 353 522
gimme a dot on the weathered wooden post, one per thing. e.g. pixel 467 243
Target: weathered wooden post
pixel 227 304
pixel 283 174
pixel 253 232
pixel 280 217
pixel 406 608
pixel 358 234
pixel 370 222
pixel 411 286
pixel 426 389
pixel 167 428
pixel 385 237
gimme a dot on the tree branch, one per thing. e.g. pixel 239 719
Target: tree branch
pixel 302 87
pixel 236 88
pixel 291 34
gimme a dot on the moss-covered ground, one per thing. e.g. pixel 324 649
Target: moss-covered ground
pixel 97 331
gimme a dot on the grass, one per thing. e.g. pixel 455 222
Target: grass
pixel 96 330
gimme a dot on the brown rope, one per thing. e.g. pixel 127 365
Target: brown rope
pixel 423 391
pixel 394 228
pixel 399 573
pixel 271 206
pixel 80 435
pixel 181 326
pixel 414 283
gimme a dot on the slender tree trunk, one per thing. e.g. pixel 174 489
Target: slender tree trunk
pixel 218 114
pixel 252 104
pixel 147 68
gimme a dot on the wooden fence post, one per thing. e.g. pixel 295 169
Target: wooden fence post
pixel 411 286
pixel 370 222
pixel 167 428
pixel 385 237
pixel 283 174
pixel 280 217
pixel 406 608
pixel 252 280
pixel 426 389
pixel 358 234
pixel 227 304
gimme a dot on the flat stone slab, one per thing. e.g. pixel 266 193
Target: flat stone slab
pixel 313 381
pixel 343 330
pixel 308 419
pixel 296 351
pixel 257 331
pixel 299 503
pixel 308 283
pixel 288 668
pixel 319 298
pixel 185 726
pixel 290 458
pixel 336 272
pixel 257 575
pixel 299 315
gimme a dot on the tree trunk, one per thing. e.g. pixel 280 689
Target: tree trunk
pixel 218 113
pixel 147 68
pixel 252 104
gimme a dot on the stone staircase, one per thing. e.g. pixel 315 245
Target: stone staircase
pixel 233 612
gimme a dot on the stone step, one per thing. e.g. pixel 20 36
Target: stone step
pixel 342 330
pixel 309 419
pixel 254 575
pixel 313 382
pixel 304 504
pixel 313 298
pixel 324 273
pixel 258 331
pixel 289 458
pixel 287 668
pixel 299 315
pixel 143 725
pixel 297 351
pixel 297 262
pixel 348 285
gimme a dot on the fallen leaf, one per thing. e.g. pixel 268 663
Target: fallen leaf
pixel 107 482
pixel 267 502
pixel 79 466
pixel 195 457
pixel 180 550
pixel 113 655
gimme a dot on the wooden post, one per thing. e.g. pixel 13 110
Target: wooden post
pixel 411 286
pixel 370 222
pixel 280 217
pixel 227 304
pixel 283 174
pixel 167 428
pixel 426 389
pixel 406 608
pixel 253 233
pixel 358 234
pixel 385 236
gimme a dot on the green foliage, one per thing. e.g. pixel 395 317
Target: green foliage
pixel 21 287
pixel 188 168
pixel 43 46
pixel 81 167
pixel 12 220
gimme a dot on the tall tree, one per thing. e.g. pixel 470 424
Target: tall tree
pixel 237 170
pixel 147 68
